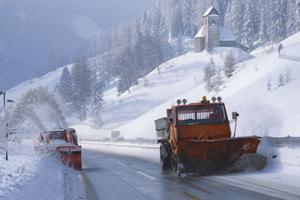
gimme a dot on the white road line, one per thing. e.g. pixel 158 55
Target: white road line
pixel 146 175
pixel 121 164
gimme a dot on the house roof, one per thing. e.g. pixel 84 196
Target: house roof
pixel 211 11
pixel 200 33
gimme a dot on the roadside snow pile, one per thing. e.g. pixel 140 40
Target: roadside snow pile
pixel 38 176
pixel 16 172
pixel 51 180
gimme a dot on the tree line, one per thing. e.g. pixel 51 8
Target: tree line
pixel 82 90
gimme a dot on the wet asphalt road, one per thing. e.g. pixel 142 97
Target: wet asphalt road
pixel 113 177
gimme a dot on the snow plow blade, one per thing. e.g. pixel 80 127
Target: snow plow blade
pixel 71 156
pixel 211 156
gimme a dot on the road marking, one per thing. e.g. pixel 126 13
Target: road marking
pixel 191 196
pixel 121 164
pixel 146 175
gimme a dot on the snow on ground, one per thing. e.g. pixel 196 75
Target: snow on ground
pixel 38 176
pixel 263 112
pixel 169 80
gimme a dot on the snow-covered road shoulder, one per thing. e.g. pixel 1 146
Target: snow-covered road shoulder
pixel 38 176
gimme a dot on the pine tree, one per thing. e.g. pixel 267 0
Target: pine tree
pixel 297 15
pixel 281 81
pixel 209 72
pixel 279 20
pixel 65 85
pixel 287 76
pixel 81 83
pixel 250 27
pixel 177 27
pixel 229 65
pixel 128 77
pixel 97 101
pixel 269 85
pixel 217 81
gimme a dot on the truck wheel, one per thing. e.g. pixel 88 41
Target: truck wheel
pixel 165 157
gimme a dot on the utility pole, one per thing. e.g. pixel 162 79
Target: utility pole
pixel 6 135
pixel 6 128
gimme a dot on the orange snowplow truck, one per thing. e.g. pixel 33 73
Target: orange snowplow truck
pixel 197 137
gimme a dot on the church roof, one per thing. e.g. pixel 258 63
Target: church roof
pixel 200 33
pixel 211 11
pixel 226 34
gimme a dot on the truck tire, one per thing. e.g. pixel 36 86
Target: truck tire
pixel 165 157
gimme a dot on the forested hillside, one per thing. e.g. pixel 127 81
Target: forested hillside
pixel 132 50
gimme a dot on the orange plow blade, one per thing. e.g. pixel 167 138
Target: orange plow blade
pixel 211 156
pixel 71 156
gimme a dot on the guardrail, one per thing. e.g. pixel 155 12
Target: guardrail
pixel 283 141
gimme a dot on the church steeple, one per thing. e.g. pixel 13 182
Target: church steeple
pixel 211 11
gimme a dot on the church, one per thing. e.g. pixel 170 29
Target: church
pixel 213 35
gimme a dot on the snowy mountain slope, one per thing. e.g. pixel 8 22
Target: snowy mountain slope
pixel 263 112
pixel 168 80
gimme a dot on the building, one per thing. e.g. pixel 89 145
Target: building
pixel 212 34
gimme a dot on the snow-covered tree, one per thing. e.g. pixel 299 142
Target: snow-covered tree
pixel 281 81
pixel 250 28
pixel 209 72
pixel 81 83
pixel 177 26
pixel 269 85
pixel 279 20
pixel 128 77
pixel 229 63
pixel 217 81
pixel 65 85
pixel 97 101
pixel 287 76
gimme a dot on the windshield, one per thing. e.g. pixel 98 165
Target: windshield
pixel 56 136
pixel 201 115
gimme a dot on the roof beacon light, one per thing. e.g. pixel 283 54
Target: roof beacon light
pixel 204 100
pixel 184 101
pixel 178 101
pixel 214 99
pixel 219 99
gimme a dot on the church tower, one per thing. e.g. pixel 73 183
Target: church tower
pixel 211 28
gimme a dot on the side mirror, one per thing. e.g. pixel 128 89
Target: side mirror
pixel 235 115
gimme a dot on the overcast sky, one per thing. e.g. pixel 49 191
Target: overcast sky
pixel 109 13
pixel 33 30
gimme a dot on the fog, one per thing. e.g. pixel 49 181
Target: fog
pixel 35 34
